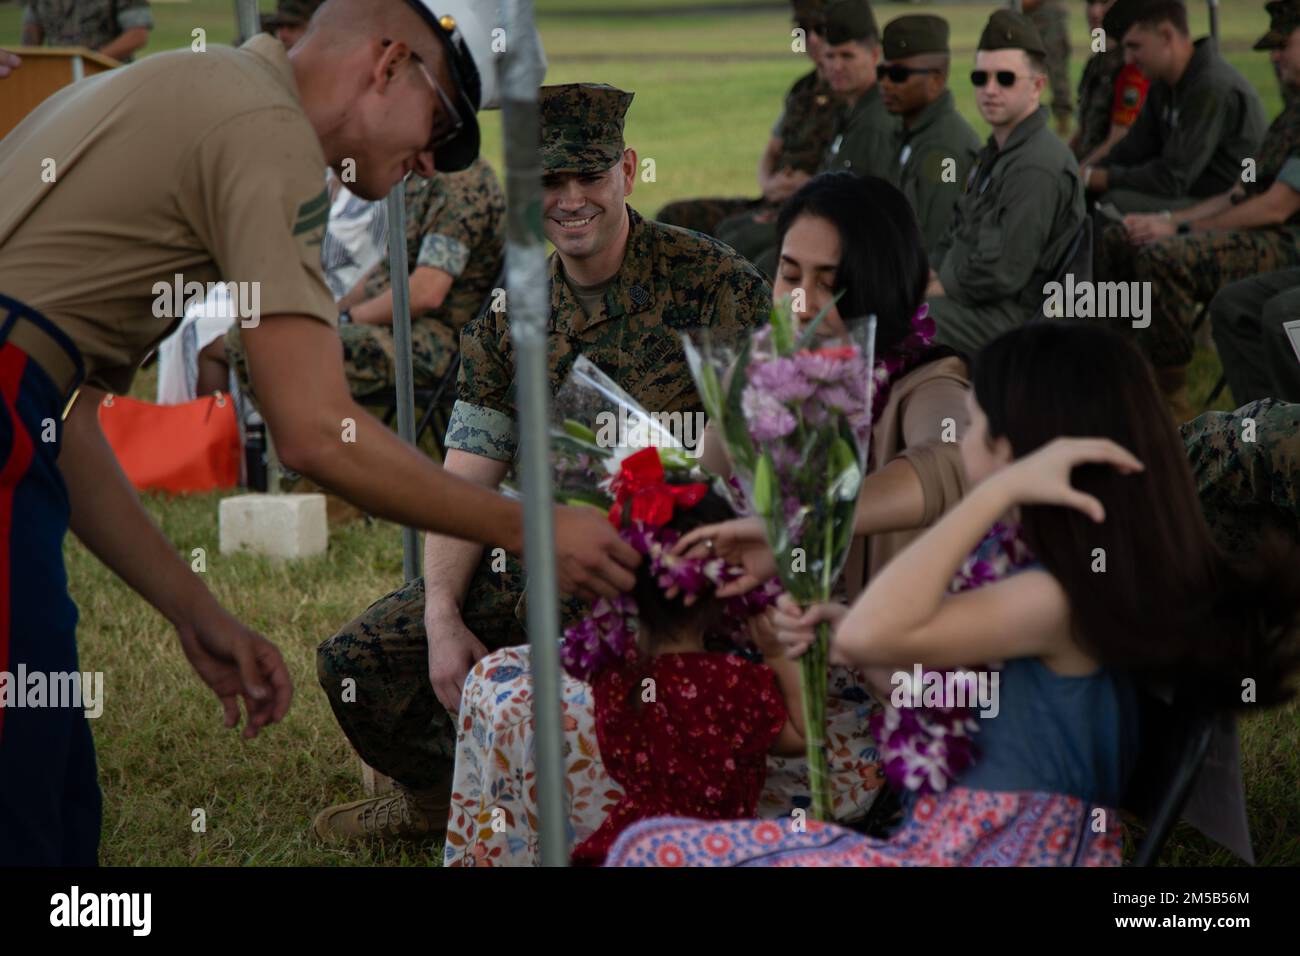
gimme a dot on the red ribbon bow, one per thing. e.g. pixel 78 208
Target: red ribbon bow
pixel 640 480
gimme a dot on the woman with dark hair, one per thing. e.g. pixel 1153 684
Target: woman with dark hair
pixel 1126 585
pixel 856 237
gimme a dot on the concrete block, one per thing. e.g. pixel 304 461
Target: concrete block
pixel 278 526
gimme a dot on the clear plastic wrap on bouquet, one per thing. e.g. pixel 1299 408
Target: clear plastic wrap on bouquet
pixel 794 411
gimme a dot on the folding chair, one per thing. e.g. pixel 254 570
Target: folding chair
pixel 1223 376
pixel 433 404
pixel 1174 745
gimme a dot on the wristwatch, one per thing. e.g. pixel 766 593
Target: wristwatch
pixel 345 317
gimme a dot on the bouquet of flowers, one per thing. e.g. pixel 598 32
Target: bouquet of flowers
pixel 796 419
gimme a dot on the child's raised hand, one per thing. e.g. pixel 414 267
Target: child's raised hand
pixel 796 627
pixel 1043 477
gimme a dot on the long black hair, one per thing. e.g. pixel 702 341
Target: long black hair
pixel 883 267
pixel 1149 589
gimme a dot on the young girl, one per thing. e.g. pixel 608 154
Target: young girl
pixel 652 722
pixel 1075 633
pixel 681 729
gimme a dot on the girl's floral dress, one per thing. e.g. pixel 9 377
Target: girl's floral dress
pixel 493 818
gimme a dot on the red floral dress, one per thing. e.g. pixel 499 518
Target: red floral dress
pixel 698 749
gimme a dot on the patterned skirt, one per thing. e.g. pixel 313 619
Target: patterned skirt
pixel 493 819
pixel 958 828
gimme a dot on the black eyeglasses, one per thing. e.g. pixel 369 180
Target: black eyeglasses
pixel 1006 78
pixel 447 123
pixel 896 73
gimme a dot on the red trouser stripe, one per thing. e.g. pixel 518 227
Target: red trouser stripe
pixel 13 361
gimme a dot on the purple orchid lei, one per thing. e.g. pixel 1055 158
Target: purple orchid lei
pixel 607 637
pixel 923 749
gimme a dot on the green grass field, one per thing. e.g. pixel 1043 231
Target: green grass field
pixel 708 89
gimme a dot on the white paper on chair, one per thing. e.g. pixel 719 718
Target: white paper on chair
pixel 1292 330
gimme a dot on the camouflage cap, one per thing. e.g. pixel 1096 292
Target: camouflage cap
pixel 848 20
pixel 915 34
pixel 1009 30
pixel 582 126
pixel 1284 16
pixel 290 13
pixel 1125 13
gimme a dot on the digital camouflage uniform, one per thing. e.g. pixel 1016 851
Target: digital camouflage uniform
pixel 671 281
pixel 1247 319
pixel 804 128
pixel 88 23
pixel 454 222
pixel 1246 486
pixel 1185 271
pixel 1052 20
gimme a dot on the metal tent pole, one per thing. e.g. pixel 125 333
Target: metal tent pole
pixel 1214 18
pixel 526 293
pixel 247 20
pixel 399 282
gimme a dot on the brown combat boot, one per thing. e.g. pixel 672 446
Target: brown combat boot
pixel 401 815
pixel 1173 385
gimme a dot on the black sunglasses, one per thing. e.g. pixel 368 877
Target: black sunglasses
pixel 1006 78
pixel 896 73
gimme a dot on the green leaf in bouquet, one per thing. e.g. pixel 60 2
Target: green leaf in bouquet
pixel 764 480
pixel 806 339
pixel 732 424
pixel 843 473
pixel 675 459
pixel 592 499
pixel 579 431
pixel 782 322
pixel 565 443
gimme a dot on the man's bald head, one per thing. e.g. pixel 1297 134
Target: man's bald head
pixel 341 26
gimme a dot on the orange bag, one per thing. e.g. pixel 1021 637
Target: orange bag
pixel 176 448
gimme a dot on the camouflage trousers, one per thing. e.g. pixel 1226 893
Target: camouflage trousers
pixel 1246 318
pixel 391 714
pixel 705 215
pixel 1185 271
pixel 1053 23
pixel 1246 465
pixel 368 356
pixel 395 721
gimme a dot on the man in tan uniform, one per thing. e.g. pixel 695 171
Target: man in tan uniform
pixel 210 166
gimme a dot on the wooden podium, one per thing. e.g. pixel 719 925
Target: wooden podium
pixel 45 70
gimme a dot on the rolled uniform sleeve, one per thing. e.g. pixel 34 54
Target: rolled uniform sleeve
pixel 453 227
pixel 1186 153
pixel 1009 243
pixel 937 462
pixel 483 419
pixel 132 14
